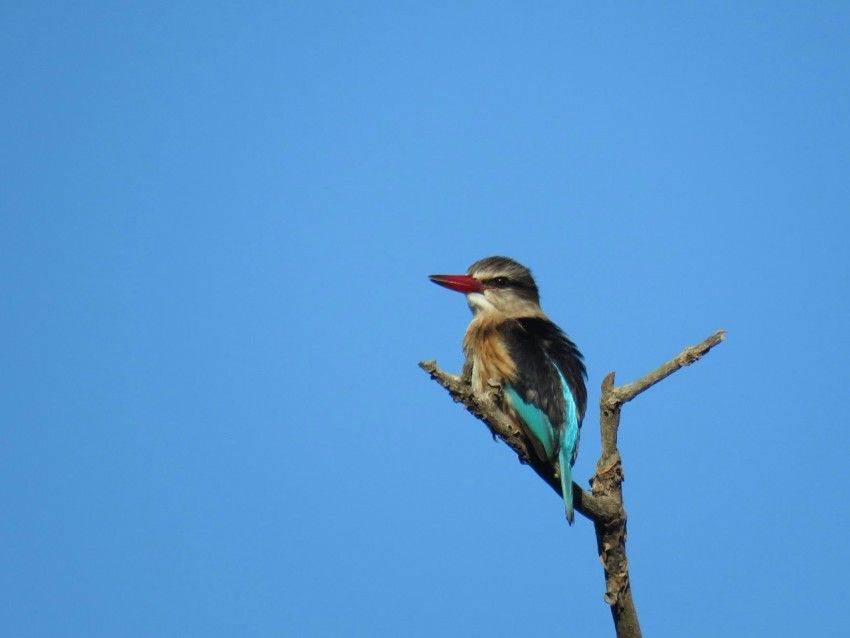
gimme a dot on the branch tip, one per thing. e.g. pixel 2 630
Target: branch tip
pixel 428 366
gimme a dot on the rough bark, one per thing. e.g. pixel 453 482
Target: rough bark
pixel 603 505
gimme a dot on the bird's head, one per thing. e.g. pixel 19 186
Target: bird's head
pixel 496 284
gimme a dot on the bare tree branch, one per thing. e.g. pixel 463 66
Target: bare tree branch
pixel 604 504
pixel 608 481
pixel 626 393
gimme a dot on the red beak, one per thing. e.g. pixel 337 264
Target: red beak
pixel 460 283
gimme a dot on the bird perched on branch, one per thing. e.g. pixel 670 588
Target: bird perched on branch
pixel 512 344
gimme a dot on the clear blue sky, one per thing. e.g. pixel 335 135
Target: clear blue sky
pixel 216 223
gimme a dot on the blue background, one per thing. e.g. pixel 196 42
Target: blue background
pixel 216 223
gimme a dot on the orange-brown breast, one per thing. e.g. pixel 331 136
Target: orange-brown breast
pixel 490 361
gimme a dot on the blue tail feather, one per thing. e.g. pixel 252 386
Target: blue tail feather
pixel 567 448
pixel 564 458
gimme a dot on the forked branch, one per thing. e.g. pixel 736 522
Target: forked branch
pixel 604 504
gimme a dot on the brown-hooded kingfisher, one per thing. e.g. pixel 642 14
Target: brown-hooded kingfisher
pixel 512 344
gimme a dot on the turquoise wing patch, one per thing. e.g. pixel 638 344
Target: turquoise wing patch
pixel 535 420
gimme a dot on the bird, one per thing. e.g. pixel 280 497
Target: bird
pixel 513 345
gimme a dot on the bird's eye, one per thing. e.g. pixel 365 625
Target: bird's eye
pixel 500 282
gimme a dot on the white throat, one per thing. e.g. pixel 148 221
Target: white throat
pixel 479 303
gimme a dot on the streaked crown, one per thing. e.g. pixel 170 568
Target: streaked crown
pixel 503 273
pixel 508 285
